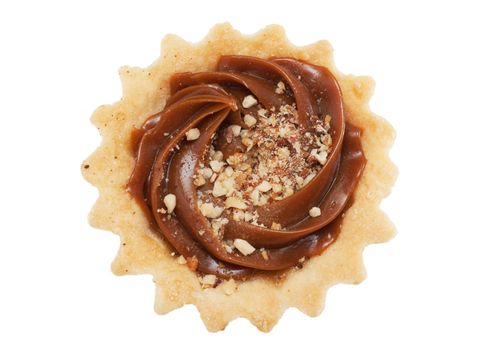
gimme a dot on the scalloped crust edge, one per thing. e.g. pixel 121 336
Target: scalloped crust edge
pixel 141 252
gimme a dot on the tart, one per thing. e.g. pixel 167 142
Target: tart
pixel 244 173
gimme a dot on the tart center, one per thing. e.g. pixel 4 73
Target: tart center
pixel 249 167
pixel 267 158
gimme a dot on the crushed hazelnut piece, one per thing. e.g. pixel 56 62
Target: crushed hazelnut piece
pixel 264 254
pixel 206 172
pixel 243 246
pixel 249 120
pixel 326 140
pixel 228 246
pixel 235 129
pixel 277 188
pixel 218 223
pixel 235 202
pixel 218 156
pixel 275 226
pixel 328 119
pixel 199 181
pixel 264 186
pixel 247 216
pixel 193 134
pixel 320 156
pixel 170 202
pixel 216 165
pixel 247 142
pixel 219 190
pixel 254 196
pixel 309 178
pixel 210 211
pixel 315 212
pixel 249 101
pixel 288 192
pixel 238 215
pixel 228 171
pixel 280 88
pixel 181 260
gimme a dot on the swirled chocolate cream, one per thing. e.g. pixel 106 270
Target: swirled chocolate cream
pixel 249 168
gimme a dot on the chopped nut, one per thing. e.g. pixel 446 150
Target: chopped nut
pixel 264 186
pixel 326 139
pixel 206 172
pixel 247 142
pixel 328 119
pixel 264 254
pixel 288 192
pixel 315 212
pixel 309 178
pixel 218 223
pixel 216 165
pixel 209 280
pixel 277 188
pixel 280 88
pixel 235 159
pixel 263 199
pixel 272 120
pixel 320 157
pixel 170 202
pixel 218 156
pixel 229 185
pixel 219 190
pixel 254 196
pixel 181 260
pixel 193 134
pixel 296 147
pixel 248 216
pixel 249 120
pixel 228 246
pixel 262 169
pixel 228 171
pixel 236 129
pixel 161 211
pixel 299 180
pixel 199 181
pixel 249 101
pixel 238 215
pixel 235 202
pixel 243 166
pixel 210 211
pixel 283 152
pixel 275 226
pixel 243 246
pixel 262 112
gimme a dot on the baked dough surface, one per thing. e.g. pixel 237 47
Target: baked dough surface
pixel 261 301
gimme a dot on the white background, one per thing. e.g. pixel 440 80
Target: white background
pixel 436 285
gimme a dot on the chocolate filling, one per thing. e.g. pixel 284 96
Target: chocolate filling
pixel 211 101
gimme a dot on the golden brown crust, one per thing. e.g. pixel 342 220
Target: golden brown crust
pixel 260 300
